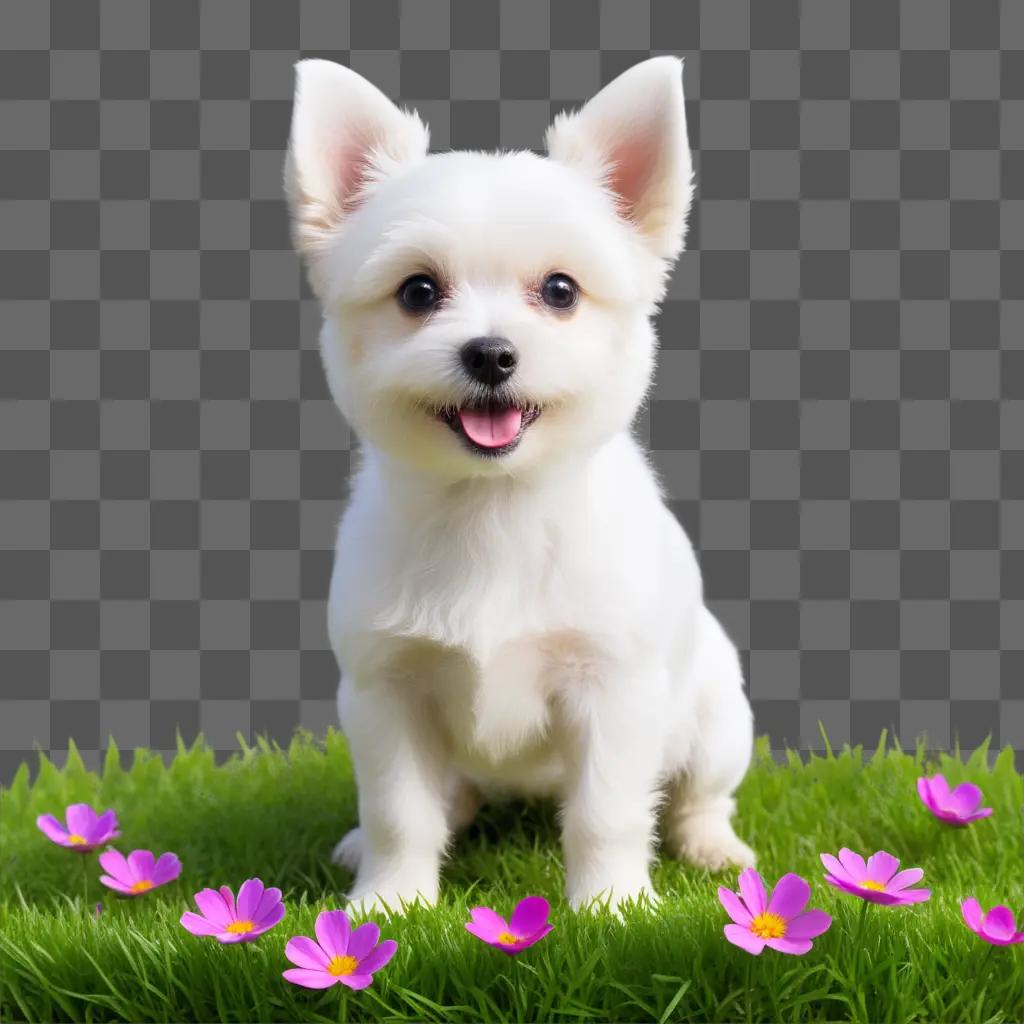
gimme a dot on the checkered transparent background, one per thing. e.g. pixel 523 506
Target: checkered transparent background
pixel 839 411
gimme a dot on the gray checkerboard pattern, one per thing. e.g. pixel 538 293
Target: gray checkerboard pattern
pixel 839 410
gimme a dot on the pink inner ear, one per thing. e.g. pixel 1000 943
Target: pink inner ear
pixel 633 164
pixel 351 163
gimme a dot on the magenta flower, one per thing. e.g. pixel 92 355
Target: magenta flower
pixel 878 881
pixel 996 927
pixel 340 956
pixel 959 806
pixel 139 872
pixel 781 922
pixel 257 911
pixel 529 924
pixel 85 828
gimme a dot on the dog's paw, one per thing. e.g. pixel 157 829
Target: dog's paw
pixel 385 900
pixel 615 899
pixel 715 846
pixel 349 850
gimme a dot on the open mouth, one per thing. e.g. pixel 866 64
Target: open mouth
pixel 492 429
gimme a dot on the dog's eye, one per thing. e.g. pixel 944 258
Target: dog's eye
pixel 420 293
pixel 559 291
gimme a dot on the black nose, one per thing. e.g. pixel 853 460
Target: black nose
pixel 489 360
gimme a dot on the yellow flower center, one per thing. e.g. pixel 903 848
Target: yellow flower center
pixel 342 966
pixel 768 926
pixel 142 886
pixel 508 938
pixel 873 886
pixel 76 840
pixel 240 927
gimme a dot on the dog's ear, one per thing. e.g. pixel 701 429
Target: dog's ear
pixel 632 137
pixel 345 136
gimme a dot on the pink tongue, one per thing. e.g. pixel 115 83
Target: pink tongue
pixel 491 428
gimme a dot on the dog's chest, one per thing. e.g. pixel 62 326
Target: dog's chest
pixel 500 716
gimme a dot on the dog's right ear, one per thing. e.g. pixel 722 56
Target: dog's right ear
pixel 346 135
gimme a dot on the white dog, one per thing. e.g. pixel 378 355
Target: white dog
pixel 513 607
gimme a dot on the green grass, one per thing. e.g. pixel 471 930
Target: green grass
pixel 276 814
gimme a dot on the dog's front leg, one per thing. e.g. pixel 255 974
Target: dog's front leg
pixel 615 757
pixel 400 770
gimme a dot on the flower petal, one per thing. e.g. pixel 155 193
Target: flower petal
pixel 840 881
pixel 105 827
pixel 971 909
pixel 525 943
pixel 939 789
pixel 377 958
pixel 116 885
pixel 141 863
pixel 851 887
pixel 483 934
pixel 488 924
pixel 115 864
pixel 212 906
pixel 333 932
pixel 52 829
pixel 834 868
pixel 924 791
pixel 363 939
pixel 809 925
pixel 752 891
pixel 983 812
pixel 248 899
pixel 305 953
pixel 309 979
pixel 790 896
pixel 964 799
pixel 912 895
pixel 881 867
pixel 229 901
pixel 270 899
pixel 999 924
pixel 909 876
pixel 795 947
pixel 81 819
pixel 356 981
pixel 734 906
pixel 198 925
pixel 853 864
pixel 530 915
pixel 166 869
pixel 265 923
pixel 744 938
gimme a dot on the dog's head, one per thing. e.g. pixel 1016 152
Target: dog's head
pixel 485 313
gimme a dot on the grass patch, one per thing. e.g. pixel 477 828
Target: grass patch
pixel 277 814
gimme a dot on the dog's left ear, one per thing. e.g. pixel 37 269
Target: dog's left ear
pixel 632 137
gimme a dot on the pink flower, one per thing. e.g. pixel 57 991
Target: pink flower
pixel 996 927
pixel 85 829
pixel 529 924
pixel 781 922
pixel 257 910
pixel 959 806
pixel 340 956
pixel 139 872
pixel 878 881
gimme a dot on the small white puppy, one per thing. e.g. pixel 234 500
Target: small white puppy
pixel 513 607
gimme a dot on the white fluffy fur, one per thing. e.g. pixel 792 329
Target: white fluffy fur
pixel 531 624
